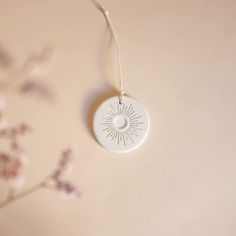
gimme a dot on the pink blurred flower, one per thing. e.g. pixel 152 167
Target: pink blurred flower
pixel 11 169
pixel 63 164
pixel 35 88
pixel 3 120
pixel 17 182
pixel 67 190
pixel 13 161
pixel 30 72
pixel 13 133
pixel 2 104
pixel 37 61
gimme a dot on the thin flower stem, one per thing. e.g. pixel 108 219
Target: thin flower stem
pixel 23 194
pixel 49 187
pixel 11 80
pixel 11 193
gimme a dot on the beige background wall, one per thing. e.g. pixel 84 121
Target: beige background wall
pixel 179 61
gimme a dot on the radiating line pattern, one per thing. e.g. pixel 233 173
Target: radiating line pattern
pixel 122 124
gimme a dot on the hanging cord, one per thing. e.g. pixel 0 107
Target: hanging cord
pixel 117 47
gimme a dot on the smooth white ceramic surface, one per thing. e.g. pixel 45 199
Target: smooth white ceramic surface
pixel 121 127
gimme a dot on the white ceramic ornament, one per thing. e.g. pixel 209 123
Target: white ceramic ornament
pixel 120 123
pixel 121 127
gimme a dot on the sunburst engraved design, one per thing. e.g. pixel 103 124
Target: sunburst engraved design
pixel 122 124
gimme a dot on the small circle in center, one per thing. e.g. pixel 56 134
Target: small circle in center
pixel 120 122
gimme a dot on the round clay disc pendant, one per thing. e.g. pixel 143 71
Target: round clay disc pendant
pixel 121 127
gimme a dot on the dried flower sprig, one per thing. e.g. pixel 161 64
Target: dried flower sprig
pixel 65 187
pixel 26 79
pixel 9 168
pixel 13 160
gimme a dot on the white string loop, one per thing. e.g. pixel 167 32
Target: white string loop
pixel 117 47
